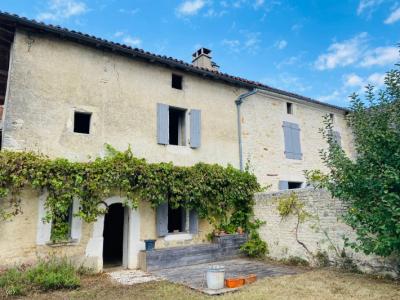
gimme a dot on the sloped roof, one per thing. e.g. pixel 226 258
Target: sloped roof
pixel 90 40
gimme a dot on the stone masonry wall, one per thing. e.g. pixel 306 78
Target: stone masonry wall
pixel 322 232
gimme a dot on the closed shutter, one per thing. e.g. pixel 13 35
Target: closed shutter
pixel 291 132
pixel 162 219
pixel 195 128
pixel 337 138
pixel 283 185
pixel 162 124
pixel 194 222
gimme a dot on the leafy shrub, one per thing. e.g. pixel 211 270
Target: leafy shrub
pixel 255 247
pixel 322 259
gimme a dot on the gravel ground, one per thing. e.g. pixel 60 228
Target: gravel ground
pixel 131 277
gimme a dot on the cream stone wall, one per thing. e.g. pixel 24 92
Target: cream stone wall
pixel 50 78
pixel 322 232
pixel 18 244
pixel 263 139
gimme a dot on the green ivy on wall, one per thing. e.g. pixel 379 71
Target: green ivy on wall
pixel 215 192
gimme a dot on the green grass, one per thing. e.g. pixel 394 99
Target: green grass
pixel 46 275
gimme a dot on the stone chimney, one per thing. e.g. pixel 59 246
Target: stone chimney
pixel 202 59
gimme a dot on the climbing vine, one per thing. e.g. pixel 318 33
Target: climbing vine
pixel 215 192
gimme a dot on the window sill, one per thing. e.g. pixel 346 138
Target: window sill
pixel 182 236
pixel 71 242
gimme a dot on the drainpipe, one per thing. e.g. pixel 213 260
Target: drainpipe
pixel 239 102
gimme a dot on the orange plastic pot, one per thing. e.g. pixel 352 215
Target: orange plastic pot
pixel 234 282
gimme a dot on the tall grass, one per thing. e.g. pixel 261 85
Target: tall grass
pixel 46 275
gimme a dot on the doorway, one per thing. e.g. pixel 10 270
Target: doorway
pixel 113 236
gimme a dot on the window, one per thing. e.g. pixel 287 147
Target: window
pixel 294 185
pixel 291 132
pixel 175 220
pixel 289 108
pixel 177 81
pixel 177 126
pixel 172 129
pixel 61 226
pixel 289 185
pixel 1 138
pixel 82 122
pixel 332 117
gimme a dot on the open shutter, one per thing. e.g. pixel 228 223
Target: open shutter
pixel 162 219
pixel 291 132
pixel 193 222
pixel 337 137
pixel 162 124
pixel 295 129
pixel 195 128
pixel 283 185
pixel 288 140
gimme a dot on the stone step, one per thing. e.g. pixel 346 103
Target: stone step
pixel 222 248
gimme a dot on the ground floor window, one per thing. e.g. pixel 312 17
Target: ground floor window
pixel 172 220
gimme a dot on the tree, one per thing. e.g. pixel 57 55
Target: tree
pixel 369 183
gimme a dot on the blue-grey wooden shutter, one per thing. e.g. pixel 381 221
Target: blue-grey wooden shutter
pixel 337 138
pixel 193 222
pixel 291 132
pixel 283 185
pixel 162 219
pixel 195 128
pixel 162 124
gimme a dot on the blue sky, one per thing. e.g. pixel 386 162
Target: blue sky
pixel 324 49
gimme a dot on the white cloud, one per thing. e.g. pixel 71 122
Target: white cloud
pixel 191 7
pixel 367 5
pixel 393 17
pixel 353 80
pixel 343 53
pixel 62 9
pixel 380 56
pixel 132 41
pixel 129 11
pixel 233 45
pixel 376 79
pixel 287 82
pixel 280 44
pixel 258 3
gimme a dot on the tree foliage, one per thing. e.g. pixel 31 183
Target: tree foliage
pixel 369 183
pixel 215 192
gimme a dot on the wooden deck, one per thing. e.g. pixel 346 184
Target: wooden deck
pixel 194 276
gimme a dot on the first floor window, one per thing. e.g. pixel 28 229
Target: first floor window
pixel 290 185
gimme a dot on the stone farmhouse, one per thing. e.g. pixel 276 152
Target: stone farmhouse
pixel 66 94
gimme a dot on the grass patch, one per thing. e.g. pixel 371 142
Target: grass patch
pixel 46 275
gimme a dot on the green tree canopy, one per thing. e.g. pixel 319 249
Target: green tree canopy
pixel 369 183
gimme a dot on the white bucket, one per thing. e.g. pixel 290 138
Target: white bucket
pixel 215 277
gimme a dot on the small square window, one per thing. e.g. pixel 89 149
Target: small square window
pixel 177 81
pixel 332 117
pixel 82 122
pixel 289 108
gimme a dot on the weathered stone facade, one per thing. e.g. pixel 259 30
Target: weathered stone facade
pixel 50 78
pixel 323 231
